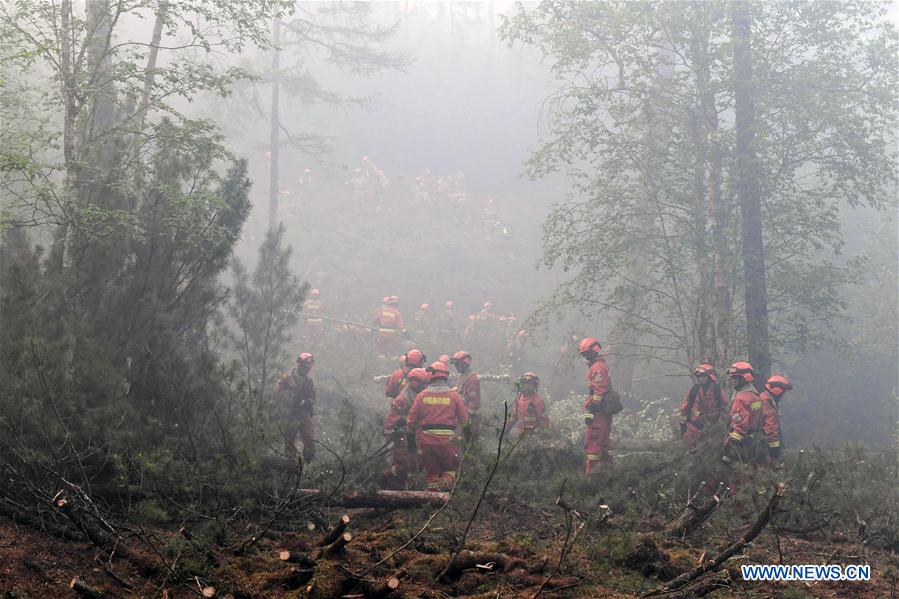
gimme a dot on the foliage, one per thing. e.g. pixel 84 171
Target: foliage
pixel 642 123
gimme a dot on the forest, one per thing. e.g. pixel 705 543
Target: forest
pixel 449 299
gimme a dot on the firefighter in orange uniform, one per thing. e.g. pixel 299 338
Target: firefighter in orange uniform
pixel 300 391
pixel 703 405
pixel 469 386
pixel 433 423
pixel 749 420
pixel 395 426
pixel 598 436
pixel 413 358
pixel 530 411
pixel 775 388
pixel 314 327
pixel 389 321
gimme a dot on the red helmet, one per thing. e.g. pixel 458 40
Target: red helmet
pixel 393 300
pixel 445 358
pixel 530 377
pixel 449 305
pixel 522 333
pixel 385 299
pixel 588 344
pixel 415 358
pixel 306 359
pixel 424 307
pixel 438 370
pixel 315 293
pixel 462 356
pixel 419 375
pixel 487 306
pixel 743 370
pixel 707 370
pixel 777 385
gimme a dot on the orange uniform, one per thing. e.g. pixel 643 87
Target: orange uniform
pixel 395 428
pixel 314 327
pixel 703 405
pixel 530 413
pixel 389 321
pixel 434 419
pixel 752 415
pixel 598 436
pixel 395 383
pixel 301 391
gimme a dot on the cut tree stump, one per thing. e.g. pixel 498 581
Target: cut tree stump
pixel 382 499
pixel 335 532
pixel 337 547
pixel 380 590
pixel 295 557
pixel 84 589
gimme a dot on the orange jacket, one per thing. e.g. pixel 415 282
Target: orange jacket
pixel 530 412
pixel 749 415
pixel 399 409
pixel 388 317
pixel 702 404
pixel 470 389
pixel 437 412
pixel 395 383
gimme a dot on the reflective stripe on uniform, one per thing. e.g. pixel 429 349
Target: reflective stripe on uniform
pixel 592 456
pixel 439 431
pixel 390 331
pixel 736 436
pixel 774 444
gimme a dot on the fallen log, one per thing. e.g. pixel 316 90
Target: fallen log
pixel 84 589
pixel 380 590
pixel 381 499
pixel 335 532
pixel 295 557
pixel 485 562
pixel 694 513
pixel 22 517
pixel 703 586
pixel 731 550
pixel 337 547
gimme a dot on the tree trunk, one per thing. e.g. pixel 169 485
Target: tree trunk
pixel 749 191
pixel 275 123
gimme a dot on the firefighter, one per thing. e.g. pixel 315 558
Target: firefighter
pixel 703 405
pixel 530 411
pixel 414 358
pixel 598 436
pixel 446 324
pixel 433 424
pixel 775 388
pixel 314 327
pixel 395 426
pixel 300 391
pixel 469 386
pixel 749 421
pixel 389 321
pixel 423 322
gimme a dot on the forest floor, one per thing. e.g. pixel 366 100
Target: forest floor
pixel 515 546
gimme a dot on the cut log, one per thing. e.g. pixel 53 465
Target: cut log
pixel 208 592
pixel 84 589
pixel 380 590
pixel 731 550
pixel 335 532
pixel 295 557
pixel 23 517
pixel 486 562
pixel 336 548
pixel 695 513
pixel 703 586
pixel 382 499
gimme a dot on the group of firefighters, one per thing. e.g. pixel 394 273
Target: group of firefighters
pixel 429 417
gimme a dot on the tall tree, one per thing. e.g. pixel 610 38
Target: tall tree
pixel 749 191
pixel 653 215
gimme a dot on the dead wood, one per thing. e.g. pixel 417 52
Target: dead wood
pixel 208 592
pixel 381 499
pixel 731 550
pixel 335 532
pixel 380 590
pixel 703 586
pixel 84 589
pixel 296 557
pixel 22 517
pixel 337 547
pixel 695 513
pixel 484 562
